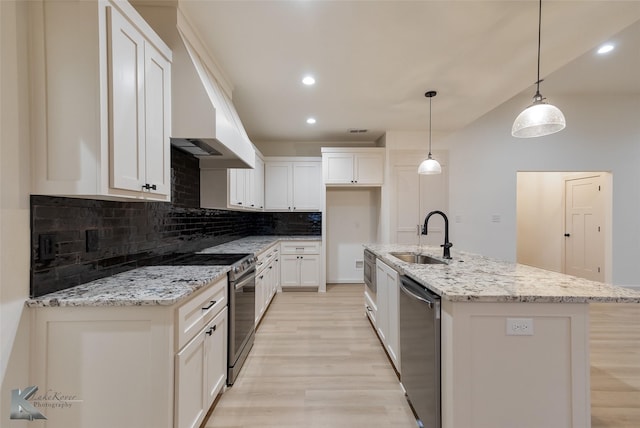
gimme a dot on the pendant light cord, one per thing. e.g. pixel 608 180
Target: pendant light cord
pixel 539 38
pixel 429 127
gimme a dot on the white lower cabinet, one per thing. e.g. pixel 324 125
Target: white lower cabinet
pixel 201 372
pixel 300 265
pixel 132 366
pixel 267 280
pixel 387 316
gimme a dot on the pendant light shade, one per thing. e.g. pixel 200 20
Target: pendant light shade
pixel 540 118
pixel 430 166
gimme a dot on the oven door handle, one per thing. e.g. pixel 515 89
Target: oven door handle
pixel 246 279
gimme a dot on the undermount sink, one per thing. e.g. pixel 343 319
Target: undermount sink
pixel 421 259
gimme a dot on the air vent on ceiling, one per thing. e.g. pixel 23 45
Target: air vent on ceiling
pixel 357 131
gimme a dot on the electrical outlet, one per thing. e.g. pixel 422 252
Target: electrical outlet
pixel 91 239
pixel 46 246
pixel 359 264
pixel 519 326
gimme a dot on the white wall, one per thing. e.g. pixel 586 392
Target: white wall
pixel 352 218
pixel 602 134
pixel 14 205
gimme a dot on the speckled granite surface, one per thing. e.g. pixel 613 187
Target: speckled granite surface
pixel 255 244
pixel 471 277
pixel 153 285
pixel 156 285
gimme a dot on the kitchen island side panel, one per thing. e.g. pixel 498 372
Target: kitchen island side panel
pixel 493 379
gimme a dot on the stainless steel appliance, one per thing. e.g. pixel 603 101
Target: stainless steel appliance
pixel 242 307
pixel 242 298
pixel 370 272
pixel 420 350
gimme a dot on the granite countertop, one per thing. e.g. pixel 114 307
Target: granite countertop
pixel 156 285
pixel 472 277
pixel 152 285
pixel 256 244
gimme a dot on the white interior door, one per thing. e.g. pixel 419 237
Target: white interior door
pixel 408 205
pixel 584 223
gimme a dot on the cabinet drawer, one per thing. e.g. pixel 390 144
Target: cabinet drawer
pixel 300 247
pixel 197 312
pixel 266 257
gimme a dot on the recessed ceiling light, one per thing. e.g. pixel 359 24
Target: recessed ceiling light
pixel 605 48
pixel 309 80
pixel 311 121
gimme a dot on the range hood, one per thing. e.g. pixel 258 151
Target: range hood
pixel 204 121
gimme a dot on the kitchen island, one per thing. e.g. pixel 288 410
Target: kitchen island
pixel 490 378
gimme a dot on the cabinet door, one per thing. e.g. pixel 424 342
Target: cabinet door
pixel 259 297
pixel 369 168
pixel 191 382
pixel 307 186
pixel 393 317
pixel 126 106
pixel 337 168
pixel 258 184
pixel 157 87
pixel 216 356
pixel 290 270
pixel 249 196
pixel 277 193
pixel 382 314
pixel 236 187
pixel 310 270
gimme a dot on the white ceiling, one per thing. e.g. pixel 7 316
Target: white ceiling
pixel 373 60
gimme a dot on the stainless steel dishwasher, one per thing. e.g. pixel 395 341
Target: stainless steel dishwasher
pixel 420 350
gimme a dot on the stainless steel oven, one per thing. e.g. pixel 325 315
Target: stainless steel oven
pixel 242 300
pixel 242 307
pixel 370 273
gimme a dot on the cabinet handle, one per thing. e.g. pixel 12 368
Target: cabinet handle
pixel 211 330
pixel 369 308
pixel 261 276
pixel 239 203
pixel 211 303
pixel 148 186
pixel 270 267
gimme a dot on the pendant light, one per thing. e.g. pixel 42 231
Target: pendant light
pixel 540 118
pixel 430 166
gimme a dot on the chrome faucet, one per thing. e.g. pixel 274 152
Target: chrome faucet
pixel 447 244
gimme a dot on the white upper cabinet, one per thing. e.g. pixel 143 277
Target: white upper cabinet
pixel 236 188
pixel 102 102
pixel 353 166
pixel 293 185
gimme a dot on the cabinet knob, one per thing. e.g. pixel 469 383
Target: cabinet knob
pixel 239 203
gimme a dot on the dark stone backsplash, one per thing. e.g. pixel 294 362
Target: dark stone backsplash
pixel 132 234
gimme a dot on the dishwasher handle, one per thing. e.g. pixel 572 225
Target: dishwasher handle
pixel 415 296
pixel 417 292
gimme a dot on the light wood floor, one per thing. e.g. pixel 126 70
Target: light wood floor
pixel 317 362
pixel 615 365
